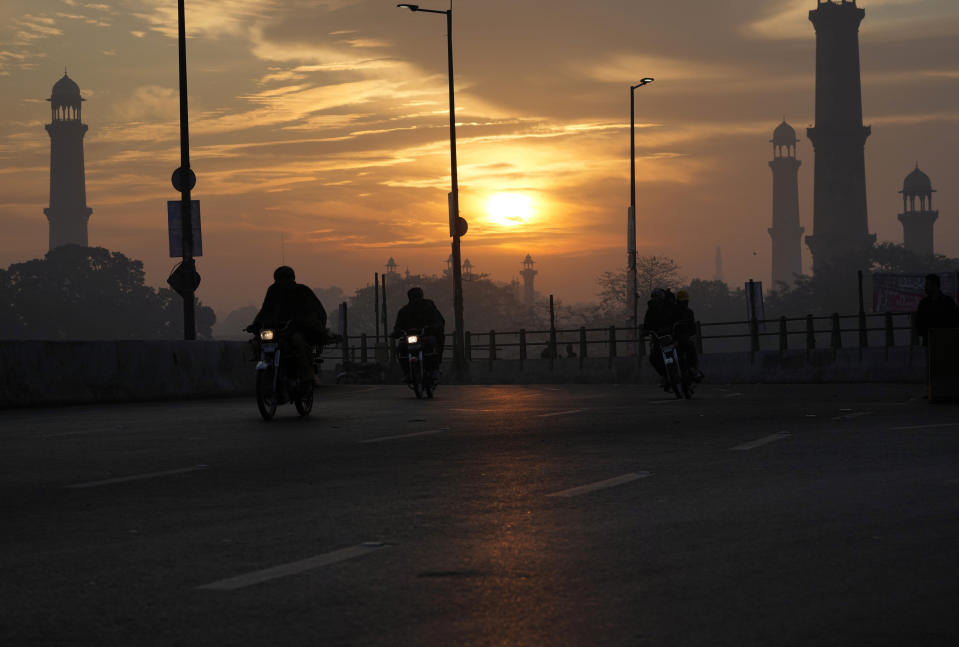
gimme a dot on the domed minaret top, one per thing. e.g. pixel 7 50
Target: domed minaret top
pixel 918 220
pixel 65 99
pixel 917 182
pixel 784 137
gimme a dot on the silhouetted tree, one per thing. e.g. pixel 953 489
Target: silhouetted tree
pixel 651 272
pixel 231 327
pixel 77 292
pixel 713 301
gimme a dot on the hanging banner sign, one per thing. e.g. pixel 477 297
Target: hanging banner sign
pixel 175 222
pixel 902 292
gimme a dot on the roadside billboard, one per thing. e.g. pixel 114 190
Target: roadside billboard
pixel 902 292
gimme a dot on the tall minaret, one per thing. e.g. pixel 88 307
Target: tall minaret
pixel 529 294
pixel 785 232
pixel 840 223
pixel 917 224
pixel 68 212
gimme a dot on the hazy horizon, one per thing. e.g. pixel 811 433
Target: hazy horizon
pixel 327 122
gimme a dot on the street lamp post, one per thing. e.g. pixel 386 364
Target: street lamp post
pixel 459 361
pixel 184 173
pixel 631 287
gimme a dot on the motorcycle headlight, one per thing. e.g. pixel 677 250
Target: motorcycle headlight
pixel 412 339
pixel 266 335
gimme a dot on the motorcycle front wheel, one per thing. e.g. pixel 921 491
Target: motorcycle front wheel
pixel 265 396
pixel 674 380
pixel 304 402
pixel 416 375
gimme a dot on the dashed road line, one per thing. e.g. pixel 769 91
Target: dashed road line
pixel 137 477
pixel 559 413
pixel 401 436
pixel 293 568
pixel 601 485
pixel 911 427
pixel 850 416
pixel 753 444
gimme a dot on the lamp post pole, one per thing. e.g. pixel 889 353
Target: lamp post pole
pixel 459 356
pixel 631 287
pixel 189 314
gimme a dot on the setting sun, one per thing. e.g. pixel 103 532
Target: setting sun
pixel 509 209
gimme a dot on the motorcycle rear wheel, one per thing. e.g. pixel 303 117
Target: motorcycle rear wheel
pixel 265 397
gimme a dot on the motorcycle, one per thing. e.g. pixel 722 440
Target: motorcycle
pixel 676 375
pixel 420 378
pixel 277 381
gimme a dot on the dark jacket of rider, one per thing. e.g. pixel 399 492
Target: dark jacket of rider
pixel 659 315
pixel 420 313
pixel 287 300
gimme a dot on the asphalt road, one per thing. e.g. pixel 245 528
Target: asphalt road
pixel 492 515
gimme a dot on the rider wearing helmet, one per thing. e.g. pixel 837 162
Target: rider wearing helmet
pixel 289 301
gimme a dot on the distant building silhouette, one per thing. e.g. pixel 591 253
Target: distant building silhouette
pixel 68 212
pixel 917 224
pixel 467 270
pixel 528 273
pixel 786 233
pixel 391 266
pixel 840 221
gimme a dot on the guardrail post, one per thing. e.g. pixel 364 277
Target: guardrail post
pixel 582 347
pixel 863 333
pixel 810 333
pixel 890 331
pixel 913 330
pixel 522 347
pixel 783 335
pixel 492 348
pixel 754 334
pixel 612 345
pixel 468 341
pixel 363 354
pixel 836 332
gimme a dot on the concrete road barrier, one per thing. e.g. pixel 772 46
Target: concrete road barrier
pixel 944 365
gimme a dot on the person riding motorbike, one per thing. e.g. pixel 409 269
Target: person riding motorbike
pixel 658 320
pixel 421 314
pixel 685 329
pixel 289 301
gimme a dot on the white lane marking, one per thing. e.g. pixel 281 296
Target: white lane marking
pixel 944 424
pixel 411 435
pixel 559 413
pixel 601 485
pixel 137 477
pixel 850 416
pixel 476 410
pixel 267 574
pixel 665 401
pixel 753 444
pixel 732 395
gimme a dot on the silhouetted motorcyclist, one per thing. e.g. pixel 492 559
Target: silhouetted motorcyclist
pixel 289 301
pixel 685 330
pixel 659 319
pixel 422 314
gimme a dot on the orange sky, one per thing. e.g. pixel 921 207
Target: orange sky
pixel 326 122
